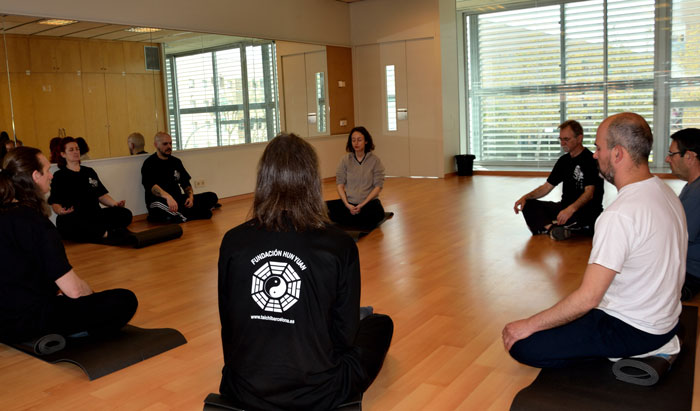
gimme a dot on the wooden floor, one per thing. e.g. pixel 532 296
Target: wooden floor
pixel 452 267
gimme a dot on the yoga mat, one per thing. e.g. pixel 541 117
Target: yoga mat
pixel 155 235
pixel 101 356
pixel 216 402
pixel 591 385
pixel 357 234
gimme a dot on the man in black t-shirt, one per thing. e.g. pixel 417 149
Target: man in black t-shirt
pixel 582 192
pixel 169 195
pixel 136 143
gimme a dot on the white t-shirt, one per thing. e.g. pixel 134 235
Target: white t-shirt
pixel 642 236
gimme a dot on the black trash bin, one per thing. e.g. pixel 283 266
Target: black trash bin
pixel 465 164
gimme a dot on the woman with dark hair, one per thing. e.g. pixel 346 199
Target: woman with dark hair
pixel 76 195
pixel 3 153
pixel 40 293
pixel 359 179
pixel 55 150
pixel 289 296
pixel 84 148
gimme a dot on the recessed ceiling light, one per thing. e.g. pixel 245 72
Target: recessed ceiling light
pixel 57 22
pixel 143 29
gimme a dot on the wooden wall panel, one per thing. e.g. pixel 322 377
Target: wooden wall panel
pixel 118 114
pixel 342 107
pixel 54 86
pixel 141 92
pixel 58 103
pixel 18 55
pixel 23 106
pixel 96 120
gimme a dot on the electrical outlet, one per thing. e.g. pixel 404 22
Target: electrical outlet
pixel 199 183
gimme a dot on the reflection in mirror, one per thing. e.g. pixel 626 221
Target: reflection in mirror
pixel 221 93
pixel 11 132
pixel 321 102
pixel 104 81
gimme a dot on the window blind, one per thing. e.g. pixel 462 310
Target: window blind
pixel 533 68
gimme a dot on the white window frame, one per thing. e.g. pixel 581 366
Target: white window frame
pixel 661 83
pixel 271 104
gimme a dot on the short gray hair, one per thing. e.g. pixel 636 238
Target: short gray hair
pixel 632 132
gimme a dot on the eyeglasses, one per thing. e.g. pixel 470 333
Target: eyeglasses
pixel 673 153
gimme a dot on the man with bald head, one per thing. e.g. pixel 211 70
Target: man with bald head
pixel 169 195
pixel 136 143
pixel 628 302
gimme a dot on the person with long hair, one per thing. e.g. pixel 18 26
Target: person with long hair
pixel 359 180
pixel 40 293
pixel 55 149
pixel 289 296
pixel 76 195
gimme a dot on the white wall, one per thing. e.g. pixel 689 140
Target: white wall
pixel 227 171
pixel 451 105
pixel 314 21
pixel 434 140
pixel 381 21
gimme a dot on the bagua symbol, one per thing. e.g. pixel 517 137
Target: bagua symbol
pixel 276 286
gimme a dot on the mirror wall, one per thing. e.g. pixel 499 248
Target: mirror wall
pixel 104 81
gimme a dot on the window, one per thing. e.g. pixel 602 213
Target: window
pixel 222 96
pixel 684 96
pixel 390 98
pixel 321 102
pixel 532 68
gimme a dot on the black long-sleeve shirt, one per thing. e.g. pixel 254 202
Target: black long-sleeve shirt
pixel 289 310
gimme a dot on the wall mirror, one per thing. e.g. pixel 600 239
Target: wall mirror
pixel 104 81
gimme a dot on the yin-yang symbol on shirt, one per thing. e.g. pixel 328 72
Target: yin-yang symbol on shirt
pixel 275 286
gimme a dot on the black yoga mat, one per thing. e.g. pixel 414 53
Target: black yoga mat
pixel 216 402
pixel 357 234
pixel 591 385
pixel 155 235
pixel 101 356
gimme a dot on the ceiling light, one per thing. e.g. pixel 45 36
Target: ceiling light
pixel 143 29
pixel 57 22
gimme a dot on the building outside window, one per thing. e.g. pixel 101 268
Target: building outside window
pixel 222 96
pixel 530 68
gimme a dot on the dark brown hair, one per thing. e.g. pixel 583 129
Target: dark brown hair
pixel 54 149
pixel 288 189
pixel 61 161
pixel 574 125
pixel 16 182
pixel 82 146
pixel 368 139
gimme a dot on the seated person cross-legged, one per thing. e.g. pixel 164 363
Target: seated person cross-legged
pixel 169 195
pixel 582 191
pixel 628 302
pixel 40 293
pixel 359 179
pixel 76 195
pixel 289 296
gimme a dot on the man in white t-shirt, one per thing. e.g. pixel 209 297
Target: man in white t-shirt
pixel 628 302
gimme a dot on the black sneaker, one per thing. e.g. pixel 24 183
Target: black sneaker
pixel 559 233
